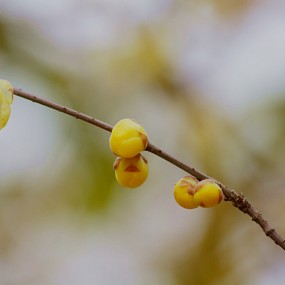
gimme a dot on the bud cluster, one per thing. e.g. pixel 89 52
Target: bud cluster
pixel 127 140
pixel 190 193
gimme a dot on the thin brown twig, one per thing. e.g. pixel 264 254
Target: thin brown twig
pixel 238 200
pixel 63 109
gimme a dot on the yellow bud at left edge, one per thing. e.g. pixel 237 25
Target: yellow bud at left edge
pixel 5 110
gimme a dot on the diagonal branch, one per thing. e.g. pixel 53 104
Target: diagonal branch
pixel 238 200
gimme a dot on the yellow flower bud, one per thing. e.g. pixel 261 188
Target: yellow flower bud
pixel 208 193
pixel 184 192
pixel 128 138
pixel 5 110
pixel 7 89
pixel 131 172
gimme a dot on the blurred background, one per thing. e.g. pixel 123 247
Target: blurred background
pixel 206 80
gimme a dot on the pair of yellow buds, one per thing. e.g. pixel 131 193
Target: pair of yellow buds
pixel 6 99
pixel 127 140
pixel 190 193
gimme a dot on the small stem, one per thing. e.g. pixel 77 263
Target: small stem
pixel 238 200
pixel 63 109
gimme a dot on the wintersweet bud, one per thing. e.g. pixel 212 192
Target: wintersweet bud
pixel 208 193
pixel 128 138
pixel 6 98
pixel 7 89
pixel 131 172
pixel 184 191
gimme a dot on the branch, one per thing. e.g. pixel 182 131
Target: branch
pixel 63 109
pixel 238 200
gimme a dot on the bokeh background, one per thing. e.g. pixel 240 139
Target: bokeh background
pixel 206 80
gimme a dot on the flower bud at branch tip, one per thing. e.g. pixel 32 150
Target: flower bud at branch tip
pixel 8 90
pixel 6 98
